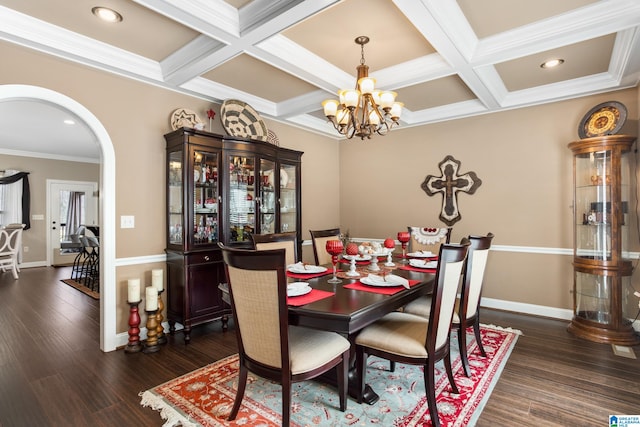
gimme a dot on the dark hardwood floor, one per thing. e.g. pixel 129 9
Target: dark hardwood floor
pixel 52 372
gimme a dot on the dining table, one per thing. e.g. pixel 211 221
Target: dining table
pixel 349 306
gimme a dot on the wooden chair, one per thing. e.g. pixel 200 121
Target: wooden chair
pixel 319 239
pixel 415 340
pixel 287 241
pixel 468 310
pixel 267 345
pixel 10 243
pixel 428 239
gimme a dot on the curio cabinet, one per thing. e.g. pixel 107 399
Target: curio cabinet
pixel 220 189
pixel 604 304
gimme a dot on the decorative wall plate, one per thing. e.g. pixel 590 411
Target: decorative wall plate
pixel 183 117
pixel 603 119
pixel 240 119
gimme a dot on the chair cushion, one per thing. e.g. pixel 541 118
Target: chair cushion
pixel 422 307
pixel 397 333
pixel 311 348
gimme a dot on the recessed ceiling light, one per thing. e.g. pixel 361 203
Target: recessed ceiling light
pixel 552 63
pixel 69 122
pixel 106 14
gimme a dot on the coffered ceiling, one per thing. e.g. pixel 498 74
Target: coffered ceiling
pixel 446 59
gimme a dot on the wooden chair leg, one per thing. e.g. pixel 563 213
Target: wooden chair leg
pixel 447 365
pixel 462 347
pixel 476 331
pixel 430 391
pixel 392 366
pixel 286 402
pixel 343 380
pixel 242 384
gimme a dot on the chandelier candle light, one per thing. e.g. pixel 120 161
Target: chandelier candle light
pixel 364 110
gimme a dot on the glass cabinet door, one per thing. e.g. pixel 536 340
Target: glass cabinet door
pixel 267 199
pixel 288 198
pixel 242 196
pixel 174 198
pixel 205 198
pixel 594 199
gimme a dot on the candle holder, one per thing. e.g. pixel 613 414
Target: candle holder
pixel 134 345
pixel 151 344
pixel 162 338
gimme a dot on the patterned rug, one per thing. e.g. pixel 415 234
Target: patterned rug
pixel 205 396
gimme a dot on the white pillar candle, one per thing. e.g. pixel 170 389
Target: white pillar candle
pixel 156 279
pixel 133 290
pixel 152 299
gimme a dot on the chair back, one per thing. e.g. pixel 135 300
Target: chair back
pixel 319 240
pixel 258 292
pixel 10 241
pixel 286 241
pixel 471 290
pixel 428 239
pixel 450 265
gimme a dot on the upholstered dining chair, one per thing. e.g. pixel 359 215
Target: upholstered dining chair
pixel 467 312
pixel 408 338
pixel 428 238
pixel 287 241
pixel 10 243
pixel 319 240
pixel 267 345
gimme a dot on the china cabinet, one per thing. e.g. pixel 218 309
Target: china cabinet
pixel 603 300
pixel 220 189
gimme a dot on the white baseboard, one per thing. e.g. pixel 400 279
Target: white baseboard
pixel 536 310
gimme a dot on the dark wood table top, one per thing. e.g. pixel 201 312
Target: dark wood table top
pixel 350 310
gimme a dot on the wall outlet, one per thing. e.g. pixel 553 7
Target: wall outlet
pixel 25 249
pixel 127 221
pixel 37 217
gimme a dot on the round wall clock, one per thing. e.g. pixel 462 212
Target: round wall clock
pixel 603 119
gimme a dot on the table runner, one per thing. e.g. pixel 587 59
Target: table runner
pixel 385 290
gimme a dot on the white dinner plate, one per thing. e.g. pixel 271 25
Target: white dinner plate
pixel 422 254
pixel 421 263
pixel 377 282
pixel 297 289
pixel 301 268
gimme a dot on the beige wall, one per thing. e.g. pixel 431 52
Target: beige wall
pixel 371 188
pixel 525 198
pixel 39 171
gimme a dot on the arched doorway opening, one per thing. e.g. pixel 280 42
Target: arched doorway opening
pixel 106 204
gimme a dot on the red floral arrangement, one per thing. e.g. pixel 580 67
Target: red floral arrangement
pixel 210 113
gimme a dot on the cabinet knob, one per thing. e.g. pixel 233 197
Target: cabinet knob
pixel 206 257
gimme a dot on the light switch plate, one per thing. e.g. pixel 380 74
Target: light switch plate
pixel 127 221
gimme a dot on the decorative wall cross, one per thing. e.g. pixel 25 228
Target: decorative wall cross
pixel 449 183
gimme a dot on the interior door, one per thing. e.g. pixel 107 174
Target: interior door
pixel 58 196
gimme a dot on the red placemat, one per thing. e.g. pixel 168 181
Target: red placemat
pixel 312 296
pixel 308 276
pixel 385 290
pixel 418 269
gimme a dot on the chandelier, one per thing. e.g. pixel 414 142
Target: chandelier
pixel 364 110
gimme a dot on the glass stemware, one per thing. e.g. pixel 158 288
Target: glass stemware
pixel 334 248
pixel 403 238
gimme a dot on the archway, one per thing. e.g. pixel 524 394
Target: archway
pixel 107 199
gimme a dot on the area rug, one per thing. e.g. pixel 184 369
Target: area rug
pixel 205 396
pixel 81 288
